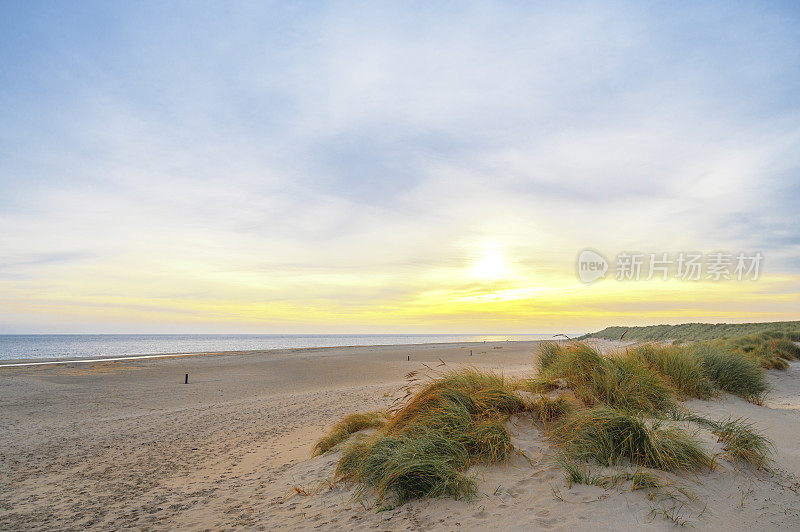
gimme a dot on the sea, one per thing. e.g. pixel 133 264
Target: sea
pixel 56 346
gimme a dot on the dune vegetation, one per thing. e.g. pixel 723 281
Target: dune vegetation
pixel 731 370
pixel 622 382
pixel 740 440
pixel 348 426
pixel 442 428
pixel 608 435
pixel 621 410
pixel 769 350
pixel 682 370
pixel 691 332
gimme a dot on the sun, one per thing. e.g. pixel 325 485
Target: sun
pixel 491 266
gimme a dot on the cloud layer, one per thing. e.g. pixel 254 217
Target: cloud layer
pixel 342 167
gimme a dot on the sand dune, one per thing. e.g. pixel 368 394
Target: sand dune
pixel 126 444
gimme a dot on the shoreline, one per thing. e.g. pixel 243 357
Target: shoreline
pixel 49 361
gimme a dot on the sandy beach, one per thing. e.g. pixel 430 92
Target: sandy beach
pixel 125 444
pixel 337 266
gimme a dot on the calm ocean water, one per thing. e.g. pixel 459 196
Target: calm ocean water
pixel 102 345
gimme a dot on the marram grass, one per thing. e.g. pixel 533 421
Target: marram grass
pixel 791 335
pixel 608 436
pixel 581 473
pixel 740 441
pixel 348 426
pixel 785 349
pixel 627 383
pixel 770 350
pixel 454 399
pixel 434 436
pixel 701 331
pixel 731 370
pixel 764 356
pixel 623 382
pixel 617 410
pixel 548 353
pixel 547 409
pixel 684 371
pixel 411 466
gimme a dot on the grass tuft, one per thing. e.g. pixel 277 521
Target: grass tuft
pixel 731 370
pixel 623 382
pixel 348 426
pixel 428 443
pixel 548 353
pixel 678 365
pixel 742 442
pixel 785 348
pixel 546 409
pixel 769 350
pixel 645 480
pixel 450 400
pixel 537 384
pixel 609 435
pixel 580 473
pixel 411 466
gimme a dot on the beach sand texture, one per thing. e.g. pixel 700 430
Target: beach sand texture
pixel 127 444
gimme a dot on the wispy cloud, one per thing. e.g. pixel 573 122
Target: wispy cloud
pixel 342 167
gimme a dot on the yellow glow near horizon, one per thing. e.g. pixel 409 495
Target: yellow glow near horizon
pixel 397 195
pixel 495 300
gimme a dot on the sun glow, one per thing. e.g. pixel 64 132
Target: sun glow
pixel 491 266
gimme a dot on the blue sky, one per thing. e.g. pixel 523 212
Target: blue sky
pixel 308 167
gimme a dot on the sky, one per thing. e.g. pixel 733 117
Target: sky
pixel 377 167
